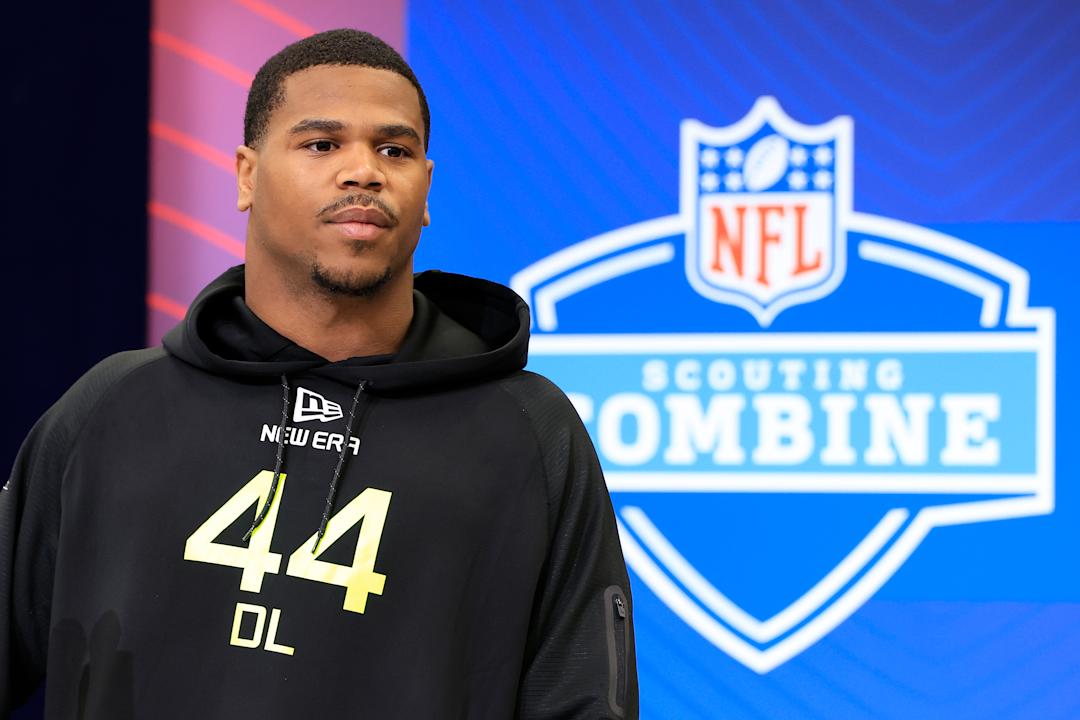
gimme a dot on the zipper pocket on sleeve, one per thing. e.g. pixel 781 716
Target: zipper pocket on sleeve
pixel 617 622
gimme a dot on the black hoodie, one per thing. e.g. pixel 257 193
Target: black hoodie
pixel 470 566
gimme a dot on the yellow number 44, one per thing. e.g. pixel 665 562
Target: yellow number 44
pixel 359 579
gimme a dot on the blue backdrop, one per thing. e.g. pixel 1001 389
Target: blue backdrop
pixel 846 487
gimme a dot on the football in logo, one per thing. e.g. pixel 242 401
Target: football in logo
pixel 766 162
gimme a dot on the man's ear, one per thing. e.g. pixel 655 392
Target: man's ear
pixel 427 213
pixel 246 161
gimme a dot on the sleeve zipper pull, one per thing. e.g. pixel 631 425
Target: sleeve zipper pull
pixel 620 609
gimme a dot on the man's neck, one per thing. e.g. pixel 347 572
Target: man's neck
pixel 336 327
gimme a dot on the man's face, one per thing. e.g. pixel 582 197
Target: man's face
pixel 338 186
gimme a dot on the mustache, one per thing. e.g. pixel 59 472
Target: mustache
pixel 359 200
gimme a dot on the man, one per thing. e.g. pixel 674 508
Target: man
pixel 334 492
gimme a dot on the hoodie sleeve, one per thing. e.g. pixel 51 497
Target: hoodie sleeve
pixel 29 509
pixel 30 526
pixel 580 660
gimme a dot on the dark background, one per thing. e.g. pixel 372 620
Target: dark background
pixel 75 177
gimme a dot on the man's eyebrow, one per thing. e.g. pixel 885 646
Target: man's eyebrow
pixel 320 124
pixel 397 131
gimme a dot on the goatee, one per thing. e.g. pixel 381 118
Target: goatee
pixel 350 284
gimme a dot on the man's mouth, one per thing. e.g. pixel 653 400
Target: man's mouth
pixel 359 215
pixel 360 223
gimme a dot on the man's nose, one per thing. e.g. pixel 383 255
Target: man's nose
pixel 360 168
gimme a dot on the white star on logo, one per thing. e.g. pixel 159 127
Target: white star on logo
pixel 733 181
pixel 797 180
pixel 710 157
pixel 710 181
pixel 823 155
pixel 823 179
pixel 733 157
pixel 798 156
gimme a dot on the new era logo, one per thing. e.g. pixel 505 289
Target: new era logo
pixel 313 406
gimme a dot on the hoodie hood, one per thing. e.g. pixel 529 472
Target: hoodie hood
pixel 463 330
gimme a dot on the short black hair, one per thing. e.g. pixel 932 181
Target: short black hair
pixel 333 47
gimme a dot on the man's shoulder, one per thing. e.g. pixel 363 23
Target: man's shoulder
pixel 99 379
pixel 75 405
pixel 119 364
pixel 56 433
pixel 555 422
pixel 538 396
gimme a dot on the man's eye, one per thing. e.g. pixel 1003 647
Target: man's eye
pixel 394 151
pixel 321 146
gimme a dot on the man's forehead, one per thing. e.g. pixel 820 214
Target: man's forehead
pixel 348 89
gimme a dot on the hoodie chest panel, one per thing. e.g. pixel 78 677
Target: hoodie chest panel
pixel 460 549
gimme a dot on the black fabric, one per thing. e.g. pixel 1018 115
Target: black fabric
pixel 30 522
pixel 569 609
pixel 493 568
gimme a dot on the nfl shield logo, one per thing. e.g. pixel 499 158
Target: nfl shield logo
pixel 765 203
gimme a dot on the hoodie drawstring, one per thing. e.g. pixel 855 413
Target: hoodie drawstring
pixel 280 459
pixel 283 427
pixel 337 470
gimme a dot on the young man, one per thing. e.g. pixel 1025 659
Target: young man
pixel 334 492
